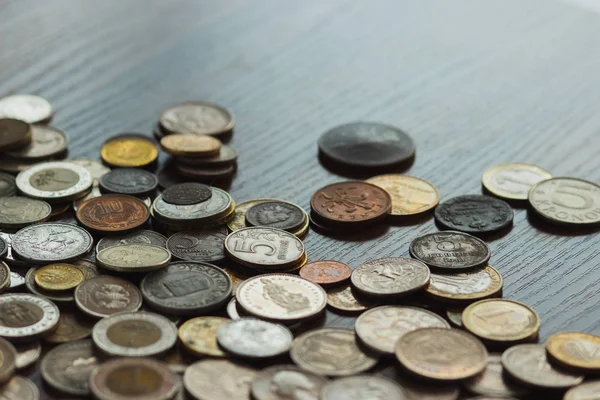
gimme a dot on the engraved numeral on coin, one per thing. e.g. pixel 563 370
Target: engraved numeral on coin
pixel 571 190
pixel 444 244
pixel 243 247
pixel 110 207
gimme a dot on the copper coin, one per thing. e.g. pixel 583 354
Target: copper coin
pixel 350 203
pixel 113 213
pixel 326 273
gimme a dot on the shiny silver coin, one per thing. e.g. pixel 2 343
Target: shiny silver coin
pixel 391 277
pixel 10 259
pixel 202 245
pixel 55 182
pixel 492 382
pixel 89 271
pixel 19 388
pixel 253 338
pixel 450 251
pixel 17 212
pixel 363 387
pixel 51 242
pixel 17 282
pixel 8 186
pixel 27 354
pixel 282 381
pixel 197 117
pixel 133 258
pixel 215 208
pixel 25 107
pixel 218 380
pixel 134 334
pixel 67 367
pixel 25 317
pixel 106 295
pixel 454 315
pixel 46 142
pixel 143 236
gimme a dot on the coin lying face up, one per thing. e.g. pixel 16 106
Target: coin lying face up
pixel 410 195
pixel 55 181
pixel 253 338
pixel 46 142
pixel 198 118
pixel 363 387
pixel 67 367
pixel 141 236
pixel 466 287
pixel 113 213
pixel 343 299
pixel 105 295
pixel 133 258
pixel 286 380
pixel 218 380
pixel 131 181
pixel 25 107
pixel 450 251
pixel 276 214
pixel 59 277
pixel 326 273
pixel 513 181
pixel 575 350
pixel 203 245
pixel 474 214
pixel 25 317
pixel 391 277
pixel 199 336
pixel 129 151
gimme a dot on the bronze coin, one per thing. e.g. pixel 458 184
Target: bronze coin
pixel 326 273
pixel 14 134
pixel 113 213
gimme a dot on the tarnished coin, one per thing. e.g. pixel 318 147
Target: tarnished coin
pixel 4 270
pixel 227 156
pixel 19 388
pixel 326 273
pixel 342 299
pixel 46 142
pixel 132 181
pixel 27 354
pixel 501 321
pixel 89 271
pixel 113 213
pixel 492 382
pixel 133 378
pixel 351 203
pixel 134 334
pixel 475 214
pixel 253 338
pixel 72 325
pixel 199 335
pixel 513 181
pixel 199 118
pixel 586 391
pixel 8 359
pixel 410 195
pixel 276 214
pixel 239 218
pixel 59 277
pixel 468 286
pixel 380 328
pixel 129 151
pixel 142 236
pixel 527 364
pixel 449 250
pixel 218 206
pixel 441 354
pixel 25 317
pixel 17 212
pixel 202 245
pixel 191 145
pixel 8 186
pixel 575 350
pixel 25 107
pixel 94 167
pixel 51 242
pixel 281 297
pixel 282 382
pixel 362 387
pixel 67 367
pixel 566 201
pixel 14 133
pixel 218 380
pixel 184 194
pixel 55 181
pixel 391 277
pixel 187 288
pixel 106 295
pixel 133 258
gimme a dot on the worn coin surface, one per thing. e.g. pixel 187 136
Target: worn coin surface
pixel 527 364
pixel 468 286
pixel 55 181
pixel 187 193
pixel 199 118
pixel 106 295
pixel 5 273
pixel 113 213
pixel 326 272
pixel 191 145
pixel 287 382
pixel 363 387
pixel 143 236
pixel 25 317
pixel 199 335
pixel 450 250
pixel 586 391
pixel 253 338
pixel 391 277
pixel 513 181
pixel 58 277
pixel 501 321
pixel 14 134
pixel 94 167
pixel 217 206
pixel 3 252
pixel 8 360
pixel 566 201
pixel 202 245
pixel 331 352
pixel 46 142
pixel 19 388
pixel 441 354
pixel 219 380
pixel 227 156
pixel 133 258
pixel 410 195
pixel 576 350
pixel 25 107
pixel 67 367
pixel 492 382
pixel 72 325
pixel 343 299
pixel 281 297
pixel 129 151
pixel 475 214
pixel 380 328
pixel 134 334
pixel 132 181
pixel 8 186
pixel 27 354
pixel 276 214
pixel 51 242
pixel 187 288
pixel 89 271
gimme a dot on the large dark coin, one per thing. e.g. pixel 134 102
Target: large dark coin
pixel 14 134
pixel 450 250
pixel 203 246
pixel 8 187
pixel 185 194
pixel 276 214
pixel 133 181
pixel 474 214
pixel 367 144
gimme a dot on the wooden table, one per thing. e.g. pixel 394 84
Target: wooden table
pixel 476 83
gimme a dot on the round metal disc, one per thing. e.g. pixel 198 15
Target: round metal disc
pixel 132 181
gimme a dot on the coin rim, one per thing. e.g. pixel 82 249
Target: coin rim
pixel 146 268
pixel 47 371
pixel 88 311
pixel 556 355
pixel 362 289
pixel 76 191
pixel 486 179
pixel 215 132
pixel 447 269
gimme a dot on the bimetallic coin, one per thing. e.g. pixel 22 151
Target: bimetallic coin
pixel 218 380
pixel 410 195
pixel 441 354
pixel 105 295
pixel 218 206
pixel 276 214
pixel 326 273
pixel 380 328
pixel 25 317
pixel 286 382
pixel 474 214
pixel 566 201
pixel 8 186
pixel 51 242
pixel 468 286
pixel 575 350
pixel 199 336
pixel 363 387
pixel 527 364
pixel 14 133
pixel 25 107
pixel 191 145
pixel 95 168
pixel 129 151
pixel 202 245
pixel 134 334
pixel 199 118
pixel 72 325
pixel 492 382
pixel 46 142
pixel 113 213
pixel 142 236
pixel 132 181
pixel 513 181
pixel 55 182
pixel 19 388
pixel 8 360
pixel 133 258
pixel 27 354
pixel 501 321
pixel 586 391
pixel 253 338
pixel 59 277
pixel 227 156
pixel 342 299
pixel 67 367
pixel 450 251
pixel 390 277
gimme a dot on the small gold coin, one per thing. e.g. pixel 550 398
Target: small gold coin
pixel 513 181
pixel 501 321
pixel 410 195
pixel 577 350
pixel 190 145
pixel 129 151
pixel 199 335
pixel 59 277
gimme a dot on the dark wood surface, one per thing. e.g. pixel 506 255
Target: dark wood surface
pixel 476 83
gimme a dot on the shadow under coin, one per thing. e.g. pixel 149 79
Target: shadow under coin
pixel 362 172
pixel 541 224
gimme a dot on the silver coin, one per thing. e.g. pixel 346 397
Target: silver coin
pixel 143 236
pixel 106 295
pixel 380 328
pixel 19 388
pixel 232 311
pixel 94 167
pixel 55 181
pixel 527 364
pixel 51 242
pixel 187 288
pixel 391 277
pixel 331 352
pixel 67 367
pixel 134 334
pixel 200 118
pixel 133 258
pixel 219 204
pixel 27 354
pixel 466 287
pixel 253 338
pixel 454 315
pixel 203 246
pixel 17 212
pixel 25 317
pixel 89 271
pixel 8 186
pixel 586 391
pixel 492 382
pixel 342 298
pixel 10 259
pixel 218 380
pixel 450 250
pixel 4 273
pixel 26 107
pixel 287 382
pixel 281 298
pixel 362 387
pixel 46 142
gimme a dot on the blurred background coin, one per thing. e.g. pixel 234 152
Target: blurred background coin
pixel 25 107
pixel 512 181
pixel 199 118
pixel 218 380
pixel 46 142
pixel 282 380
pixel 199 336
pixel 14 134
pixel 253 338
pixel 55 182
pixel 410 195
pixel 8 186
pixel 133 258
pixel 129 151
pixel 67 367
pixel 191 145
pixel 131 181
pixel 94 167
pixel 360 388
pixel 141 236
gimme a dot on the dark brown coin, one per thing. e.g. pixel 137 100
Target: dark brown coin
pixel 205 245
pixel 132 181
pixel 106 295
pixel 474 214
pixel 113 213
pixel 276 214
pixel 14 134
pixel 326 273
pixel 187 193
pixel 205 173
pixel 8 187
pixel 450 250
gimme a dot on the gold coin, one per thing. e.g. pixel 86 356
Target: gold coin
pixel 190 145
pixel 129 151
pixel 501 321
pixel 410 195
pixel 199 335
pixel 513 181
pixel 576 350
pixel 465 287
pixel 58 277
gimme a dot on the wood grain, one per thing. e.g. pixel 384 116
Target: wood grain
pixel 476 83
